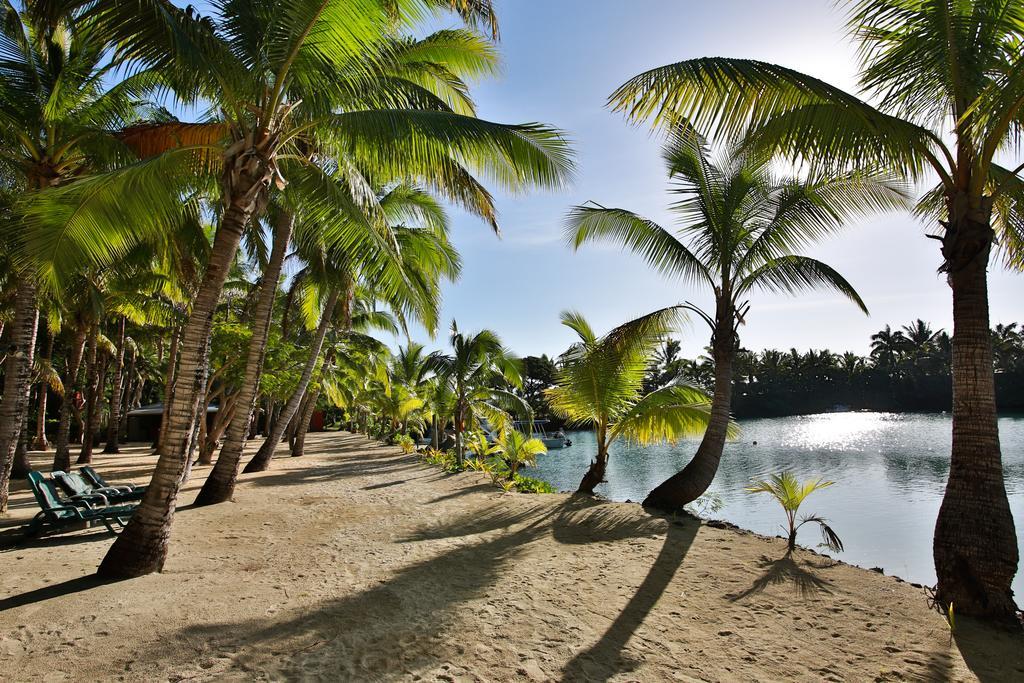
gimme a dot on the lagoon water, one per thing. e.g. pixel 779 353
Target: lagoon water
pixel 890 472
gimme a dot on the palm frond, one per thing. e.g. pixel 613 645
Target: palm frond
pixel 640 235
pixel 791 273
pixel 665 415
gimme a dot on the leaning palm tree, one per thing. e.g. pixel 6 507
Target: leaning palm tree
pixel 438 64
pixel 948 78
pixel 57 119
pixel 280 77
pixel 600 383
pixel 740 226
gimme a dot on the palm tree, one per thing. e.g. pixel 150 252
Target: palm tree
pixel 439 406
pixel 279 93
pixel 451 54
pixel 517 449
pixel 57 121
pixel 888 347
pixel 742 224
pixel 600 383
pixel 940 71
pixel 409 278
pixel 474 373
pixel 791 494
pixel 1007 343
pixel 396 405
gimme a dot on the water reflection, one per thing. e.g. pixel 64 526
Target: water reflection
pixel 890 472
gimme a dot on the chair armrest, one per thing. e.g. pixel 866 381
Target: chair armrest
pixel 65 508
pixel 117 488
pixel 110 490
pixel 89 498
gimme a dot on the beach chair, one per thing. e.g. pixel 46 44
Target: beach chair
pixel 76 486
pixel 99 482
pixel 58 515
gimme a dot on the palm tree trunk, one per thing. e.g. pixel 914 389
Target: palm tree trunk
pixel 40 443
pixel 62 459
pixel 302 426
pixel 690 484
pixel 92 372
pixel 975 544
pixel 22 465
pixel 199 420
pixel 209 437
pixel 460 418
pixel 17 378
pixel 220 485
pixel 595 473
pixel 172 367
pixel 142 547
pixel 261 461
pixel 114 422
pixel 131 388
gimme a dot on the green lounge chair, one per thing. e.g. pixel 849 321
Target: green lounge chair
pixel 99 482
pixel 76 486
pixel 57 514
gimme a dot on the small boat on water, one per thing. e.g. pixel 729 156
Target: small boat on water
pixel 538 430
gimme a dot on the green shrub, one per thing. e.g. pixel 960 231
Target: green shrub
pixel 446 460
pixel 406 442
pixel 532 485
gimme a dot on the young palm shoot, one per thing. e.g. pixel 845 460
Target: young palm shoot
pixel 790 493
pixel 517 449
pixel 601 384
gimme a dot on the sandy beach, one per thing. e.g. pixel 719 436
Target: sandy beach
pixel 358 563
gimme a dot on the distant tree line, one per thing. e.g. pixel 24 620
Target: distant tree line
pixel 908 370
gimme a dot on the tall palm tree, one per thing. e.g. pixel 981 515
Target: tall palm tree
pixel 740 226
pixel 437 64
pixel 600 383
pixel 948 78
pixel 57 116
pixel 474 373
pixel 410 280
pixel 888 346
pixel 262 81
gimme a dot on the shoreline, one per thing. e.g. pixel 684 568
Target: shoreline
pixel 356 562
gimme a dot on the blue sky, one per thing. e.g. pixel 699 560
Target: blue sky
pixel 561 60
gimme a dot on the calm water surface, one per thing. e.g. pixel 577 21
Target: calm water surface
pixel 890 471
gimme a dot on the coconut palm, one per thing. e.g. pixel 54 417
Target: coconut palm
pixel 277 94
pixel 438 64
pixel 948 78
pixel 409 281
pixel 1008 346
pixel 475 372
pixel 740 226
pixel 516 449
pixel 600 383
pixel 790 493
pixel 57 116
pixel 888 346
pixel 439 407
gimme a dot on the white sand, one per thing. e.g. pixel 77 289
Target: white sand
pixel 357 563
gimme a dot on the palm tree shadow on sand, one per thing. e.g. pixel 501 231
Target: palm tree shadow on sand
pixel 786 570
pixel 408 622
pixel 604 658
